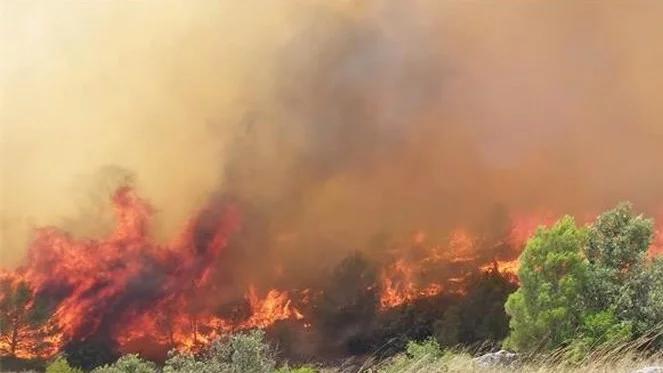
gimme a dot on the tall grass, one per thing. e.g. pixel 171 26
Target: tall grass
pixel 621 358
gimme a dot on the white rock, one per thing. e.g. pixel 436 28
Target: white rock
pixel 500 358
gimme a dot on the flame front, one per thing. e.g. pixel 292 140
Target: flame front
pixel 143 295
pixel 127 280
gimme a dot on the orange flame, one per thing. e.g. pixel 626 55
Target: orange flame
pixel 95 280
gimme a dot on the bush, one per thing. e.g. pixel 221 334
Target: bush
pixel 131 363
pixel 60 365
pixel 479 316
pixel 239 353
pixel 187 363
pixel 616 253
pixel 426 356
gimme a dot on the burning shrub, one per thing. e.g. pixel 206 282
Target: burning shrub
pixel 23 319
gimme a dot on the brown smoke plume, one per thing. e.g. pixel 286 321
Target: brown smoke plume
pixel 343 125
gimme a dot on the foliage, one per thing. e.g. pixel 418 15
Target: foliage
pixel 601 330
pixel 623 284
pixel 479 315
pixel 131 363
pixel 618 240
pixel 428 349
pixel 91 352
pixel 616 250
pixel 60 365
pixel 548 307
pixel 447 330
pixel 650 310
pixel 348 305
pixel 187 363
pixel 22 315
pixel 424 356
pixel 605 287
pixel 14 364
pixel 239 353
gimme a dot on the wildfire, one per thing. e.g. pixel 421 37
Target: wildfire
pixel 399 286
pixel 404 281
pixel 140 293
pixel 127 279
pixel 189 332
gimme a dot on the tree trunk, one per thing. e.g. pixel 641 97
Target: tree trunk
pixel 14 339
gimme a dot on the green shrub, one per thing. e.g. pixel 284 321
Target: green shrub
pixel 60 365
pixel 238 353
pixel 186 363
pixel 131 363
pixel 419 356
pixel 588 289
pixel 548 307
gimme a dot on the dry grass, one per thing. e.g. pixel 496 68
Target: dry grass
pixel 462 362
pixel 623 358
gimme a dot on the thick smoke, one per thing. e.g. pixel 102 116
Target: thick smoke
pixel 340 126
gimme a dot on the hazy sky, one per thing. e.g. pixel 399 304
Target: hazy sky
pixel 341 119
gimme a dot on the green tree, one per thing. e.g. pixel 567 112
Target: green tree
pixel 548 307
pixel 616 251
pixel 619 240
pixel 23 317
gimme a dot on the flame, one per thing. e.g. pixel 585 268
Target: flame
pixel 399 286
pixel 115 277
pixel 141 293
pixel 189 332
pixel 404 281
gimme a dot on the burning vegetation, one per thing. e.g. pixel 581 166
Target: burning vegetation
pixel 135 295
pixel 343 175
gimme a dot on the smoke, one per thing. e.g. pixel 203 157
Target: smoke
pixel 340 126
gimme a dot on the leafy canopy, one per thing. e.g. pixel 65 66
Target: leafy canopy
pixel 587 287
pixel 547 308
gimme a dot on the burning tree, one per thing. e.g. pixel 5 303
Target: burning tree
pixel 24 328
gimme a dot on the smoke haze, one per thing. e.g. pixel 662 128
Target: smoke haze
pixel 337 123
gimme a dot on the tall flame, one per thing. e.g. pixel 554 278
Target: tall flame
pixel 128 277
pixel 134 290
